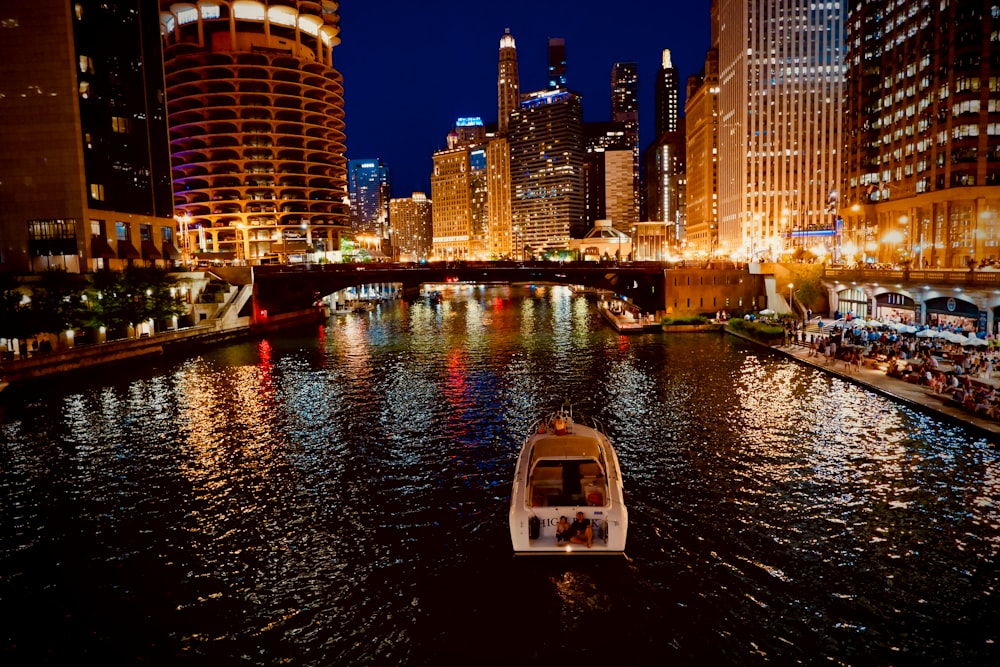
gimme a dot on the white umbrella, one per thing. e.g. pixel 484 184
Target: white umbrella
pixel 976 340
pixel 875 323
pixel 906 328
pixel 767 311
pixel 927 333
pixel 953 337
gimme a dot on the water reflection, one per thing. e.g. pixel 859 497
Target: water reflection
pixel 338 496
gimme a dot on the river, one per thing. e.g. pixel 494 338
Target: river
pixel 338 496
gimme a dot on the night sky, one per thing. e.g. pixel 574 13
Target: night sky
pixel 411 68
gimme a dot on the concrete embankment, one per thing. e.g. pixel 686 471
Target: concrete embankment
pixel 916 396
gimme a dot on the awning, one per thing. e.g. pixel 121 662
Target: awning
pixel 99 248
pixel 127 251
pixel 150 251
pixel 170 252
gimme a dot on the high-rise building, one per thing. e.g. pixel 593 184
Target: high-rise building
pixel 701 121
pixel 498 205
pixel 508 81
pixel 546 155
pixel 663 160
pixel 781 76
pixel 85 164
pixel 665 164
pixel 467 131
pixel 451 192
pixel 368 188
pixel 411 226
pixel 625 110
pixel 600 139
pixel 921 179
pixel 557 63
pixel 625 99
pixel 665 95
pixel 459 188
pixel 257 126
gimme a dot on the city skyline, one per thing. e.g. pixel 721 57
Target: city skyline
pixel 400 105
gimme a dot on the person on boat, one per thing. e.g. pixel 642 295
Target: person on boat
pixel 581 532
pixel 562 530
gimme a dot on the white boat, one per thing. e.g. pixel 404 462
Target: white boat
pixel 567 467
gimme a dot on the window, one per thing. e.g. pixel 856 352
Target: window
pixel 122 231
pixel 97 192
pixel 52 237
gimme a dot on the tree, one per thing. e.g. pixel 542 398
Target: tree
pixel 13 313
pixel 123 300
pixel 56 302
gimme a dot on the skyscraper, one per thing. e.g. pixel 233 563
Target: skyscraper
pixel 546 154
pixel 922 168
pixel 508 82
pixel 664 160
pixel 368 187
pixel 600 142
pixel 557 63
pixel 498 205
pixel 702 157
pixel 625 110
pixel 257 126
pixel 412 226
pixel 781 74
pixel 459 188
pixel 84 169
pixel 665 95
pixel 625 98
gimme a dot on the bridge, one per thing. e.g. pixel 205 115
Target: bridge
pixel 287 288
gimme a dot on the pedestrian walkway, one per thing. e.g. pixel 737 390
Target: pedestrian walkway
pixel 915 395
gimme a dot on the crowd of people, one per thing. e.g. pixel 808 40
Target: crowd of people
pixel 962 375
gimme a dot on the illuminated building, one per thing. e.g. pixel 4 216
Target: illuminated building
pixel 85 164
pixel 257 127
pixel 922 168
pixel 508 81
pixel 625 110
pixel 412 226
pixel 665 162
pixel 368 188
pixel 459 187
pixel 557 63
pixel 546 155
pixel 780 111
pixel 701 119
pixel 665 95
pixel 499 229
pixel 664 159
pixel 606 147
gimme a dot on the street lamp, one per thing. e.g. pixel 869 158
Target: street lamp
pixel 791 297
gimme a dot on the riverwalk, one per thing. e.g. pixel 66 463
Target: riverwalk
pixel 915 395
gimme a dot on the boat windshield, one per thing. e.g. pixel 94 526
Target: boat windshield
pixel 567 481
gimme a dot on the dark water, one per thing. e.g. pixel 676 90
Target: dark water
pixel 339 497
